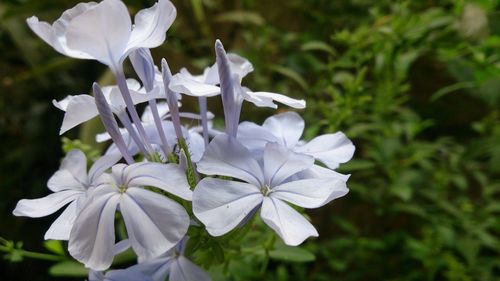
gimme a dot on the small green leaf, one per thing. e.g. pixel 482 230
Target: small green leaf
pixel 68 268
pixel 291 254
pixel 54 246
pixel 318 46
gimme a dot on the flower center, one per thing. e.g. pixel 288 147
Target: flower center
pixel 265 189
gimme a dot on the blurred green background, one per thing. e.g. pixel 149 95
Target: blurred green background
pixel 414 84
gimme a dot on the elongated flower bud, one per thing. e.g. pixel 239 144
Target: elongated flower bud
pixel 109 122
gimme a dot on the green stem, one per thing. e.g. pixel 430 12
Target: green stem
pixel 33 255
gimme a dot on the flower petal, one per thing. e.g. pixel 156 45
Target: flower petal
pixel 154 222
pixel 183 269
pixel 330 149
pixel 291 226
pixel 184 83
pixel 255 137
pixel 150 25
pixel 102 32
pixel 126 275
pixel 310 193
pixel 287 127
pixel 93 234
pixel 226 156
pixel 45 206
pixel 281 163
pixel 168 177
pixel 61 227
pixel 102 164
pixel 299 104
pixel 221 204
pixel 79 109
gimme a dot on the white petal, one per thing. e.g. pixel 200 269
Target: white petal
pixel 93 234
pixel 228 157
pixel 330 149
pixel 75 161
pixel 45 206
pixel 102 32
pixel 61 227
pixel 80 109
pixel 291 226
pixel 154 222
pixel 221 204
pixel 102 164
pixel 126 275
pixel 182 83
pixel 287 127
pixel 196 146
pixel 183 269
pixel 150 25
pixel 316 171
pixel 281 163
pixel 157 268
pixel 299 104
pixel 310 193
pixel 239 65
pixel 64 180
pixel 255 137
pixel 168 177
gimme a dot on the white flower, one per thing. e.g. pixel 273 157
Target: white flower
pixel 205 85
pixel 223 204
pixel 70 185
pixel 81 108
pixel 286 129
pixel 154 222
pixel 104 32
pixel 174 265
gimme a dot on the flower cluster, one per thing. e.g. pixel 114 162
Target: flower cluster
pixel 162 177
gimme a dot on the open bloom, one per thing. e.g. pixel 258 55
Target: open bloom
pixel 223 204
pixel 81 108
pixel 104 32
pixel 174 265
pixel 286 129
pixel 154 223
pixel 70 185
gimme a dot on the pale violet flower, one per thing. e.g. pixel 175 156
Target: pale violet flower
pixel 104 31
pixel 81 108
pixel 69 185
pixel 154 223
pixel 221 205
pixel 286 129
pixel 128 274
pixel 174 265
pixel 205 85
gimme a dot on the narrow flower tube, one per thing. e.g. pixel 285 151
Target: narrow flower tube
pixel 128 125
pixel 230 100
pixel 109 123
pixel 142 61
pixel 171 99
pixel 121 81
pixel 202 102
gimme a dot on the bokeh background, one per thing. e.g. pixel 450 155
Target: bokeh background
pixel 414 84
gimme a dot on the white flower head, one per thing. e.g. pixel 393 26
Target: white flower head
pixel 69 185
pixel 286 129
pixel 223 204
pixel 104 31
pixel 154 222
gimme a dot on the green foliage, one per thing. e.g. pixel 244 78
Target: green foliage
pixel 414 84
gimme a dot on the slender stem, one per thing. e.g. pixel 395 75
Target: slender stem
pixel 132 132
pixel 202 101
pixel 33 255
pixel 171 100
pixel 122 85
pixel 159 126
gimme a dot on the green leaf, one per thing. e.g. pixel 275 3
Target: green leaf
pixel 241 17
pixel 290 73
pixel 318 46
pixel 68 268
pixel 291 254
pixel 54 246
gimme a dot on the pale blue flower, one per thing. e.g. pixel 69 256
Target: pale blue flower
pixel 221 205
pixel 69 184
pixel 286 129
pixel 104 31
pixel 154 223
